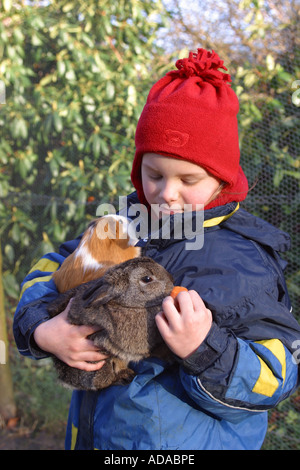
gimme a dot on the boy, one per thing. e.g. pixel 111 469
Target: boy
pixel 232 333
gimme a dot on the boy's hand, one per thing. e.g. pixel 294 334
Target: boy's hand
pixel 69 342
pixel 184 322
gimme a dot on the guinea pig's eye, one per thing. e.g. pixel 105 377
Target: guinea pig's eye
pixel 146 279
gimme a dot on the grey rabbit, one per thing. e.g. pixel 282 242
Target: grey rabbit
pixel 123 304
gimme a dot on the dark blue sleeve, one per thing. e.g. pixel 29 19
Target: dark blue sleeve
pixel 37 290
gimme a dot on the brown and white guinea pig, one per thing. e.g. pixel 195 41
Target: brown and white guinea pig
pixel 106 242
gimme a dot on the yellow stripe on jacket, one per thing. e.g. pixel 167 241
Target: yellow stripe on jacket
pixel 267 383
pixel 43 265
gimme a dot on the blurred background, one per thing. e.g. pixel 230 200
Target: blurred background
pixel 74 76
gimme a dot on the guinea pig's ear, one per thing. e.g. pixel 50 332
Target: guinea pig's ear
pixel 100 293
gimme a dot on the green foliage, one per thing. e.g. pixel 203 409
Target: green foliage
pixel 269 122
pixel 270 138
pixel 284 426
pixel 76 76
pixel 41 402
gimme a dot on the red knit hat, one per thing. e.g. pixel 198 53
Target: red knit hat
pixel 191 114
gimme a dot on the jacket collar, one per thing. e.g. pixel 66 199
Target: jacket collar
pixel 217 215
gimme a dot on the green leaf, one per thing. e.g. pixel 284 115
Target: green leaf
pixel 110 90
pixel 47 125
pixel 68 7
pixel 11 285
pixel 58 123
pixel 132 97
pixel 270 62
pixel 287 77
pixel 278 177
pixel 96 145
pixel 36 41
pixel 250 79
pixel 9 253
pixel 19 128
pixel 70 75
pixel 7 4
pixel 15 233
pixel 61 68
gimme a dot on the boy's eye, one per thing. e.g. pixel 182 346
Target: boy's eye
pixel 155 177
pixel 189 182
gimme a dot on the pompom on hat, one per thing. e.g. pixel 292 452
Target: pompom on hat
pixel 191 114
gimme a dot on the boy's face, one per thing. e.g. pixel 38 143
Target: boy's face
pixel 171 183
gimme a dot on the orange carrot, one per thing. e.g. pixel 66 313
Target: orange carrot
pixel 176 291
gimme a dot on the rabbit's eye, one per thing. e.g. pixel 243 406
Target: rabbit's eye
pixel 146 279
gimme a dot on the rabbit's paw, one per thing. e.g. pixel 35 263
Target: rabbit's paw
pixel 114 372
pixel 125 376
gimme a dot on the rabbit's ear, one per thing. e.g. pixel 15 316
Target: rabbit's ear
pixel 91 287
pixel 99 294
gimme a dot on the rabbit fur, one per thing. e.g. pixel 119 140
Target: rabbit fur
pixel 123 304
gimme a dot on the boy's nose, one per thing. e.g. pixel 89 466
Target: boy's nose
pixel 169 193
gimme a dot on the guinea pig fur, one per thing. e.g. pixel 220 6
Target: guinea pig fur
pixel 106 242
pixel 123 304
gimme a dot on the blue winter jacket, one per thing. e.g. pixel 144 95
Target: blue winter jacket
pixel 218 398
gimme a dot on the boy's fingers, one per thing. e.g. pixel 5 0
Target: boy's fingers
pixel 169 307
pixel 184 303
pixel 89 366
pixel 86 330
pixel 93 356
pixel 162 324
pixel 196 300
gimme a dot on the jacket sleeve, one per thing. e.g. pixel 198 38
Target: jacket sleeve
pixel 230 377
pixel 37 290
pixel 246 363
